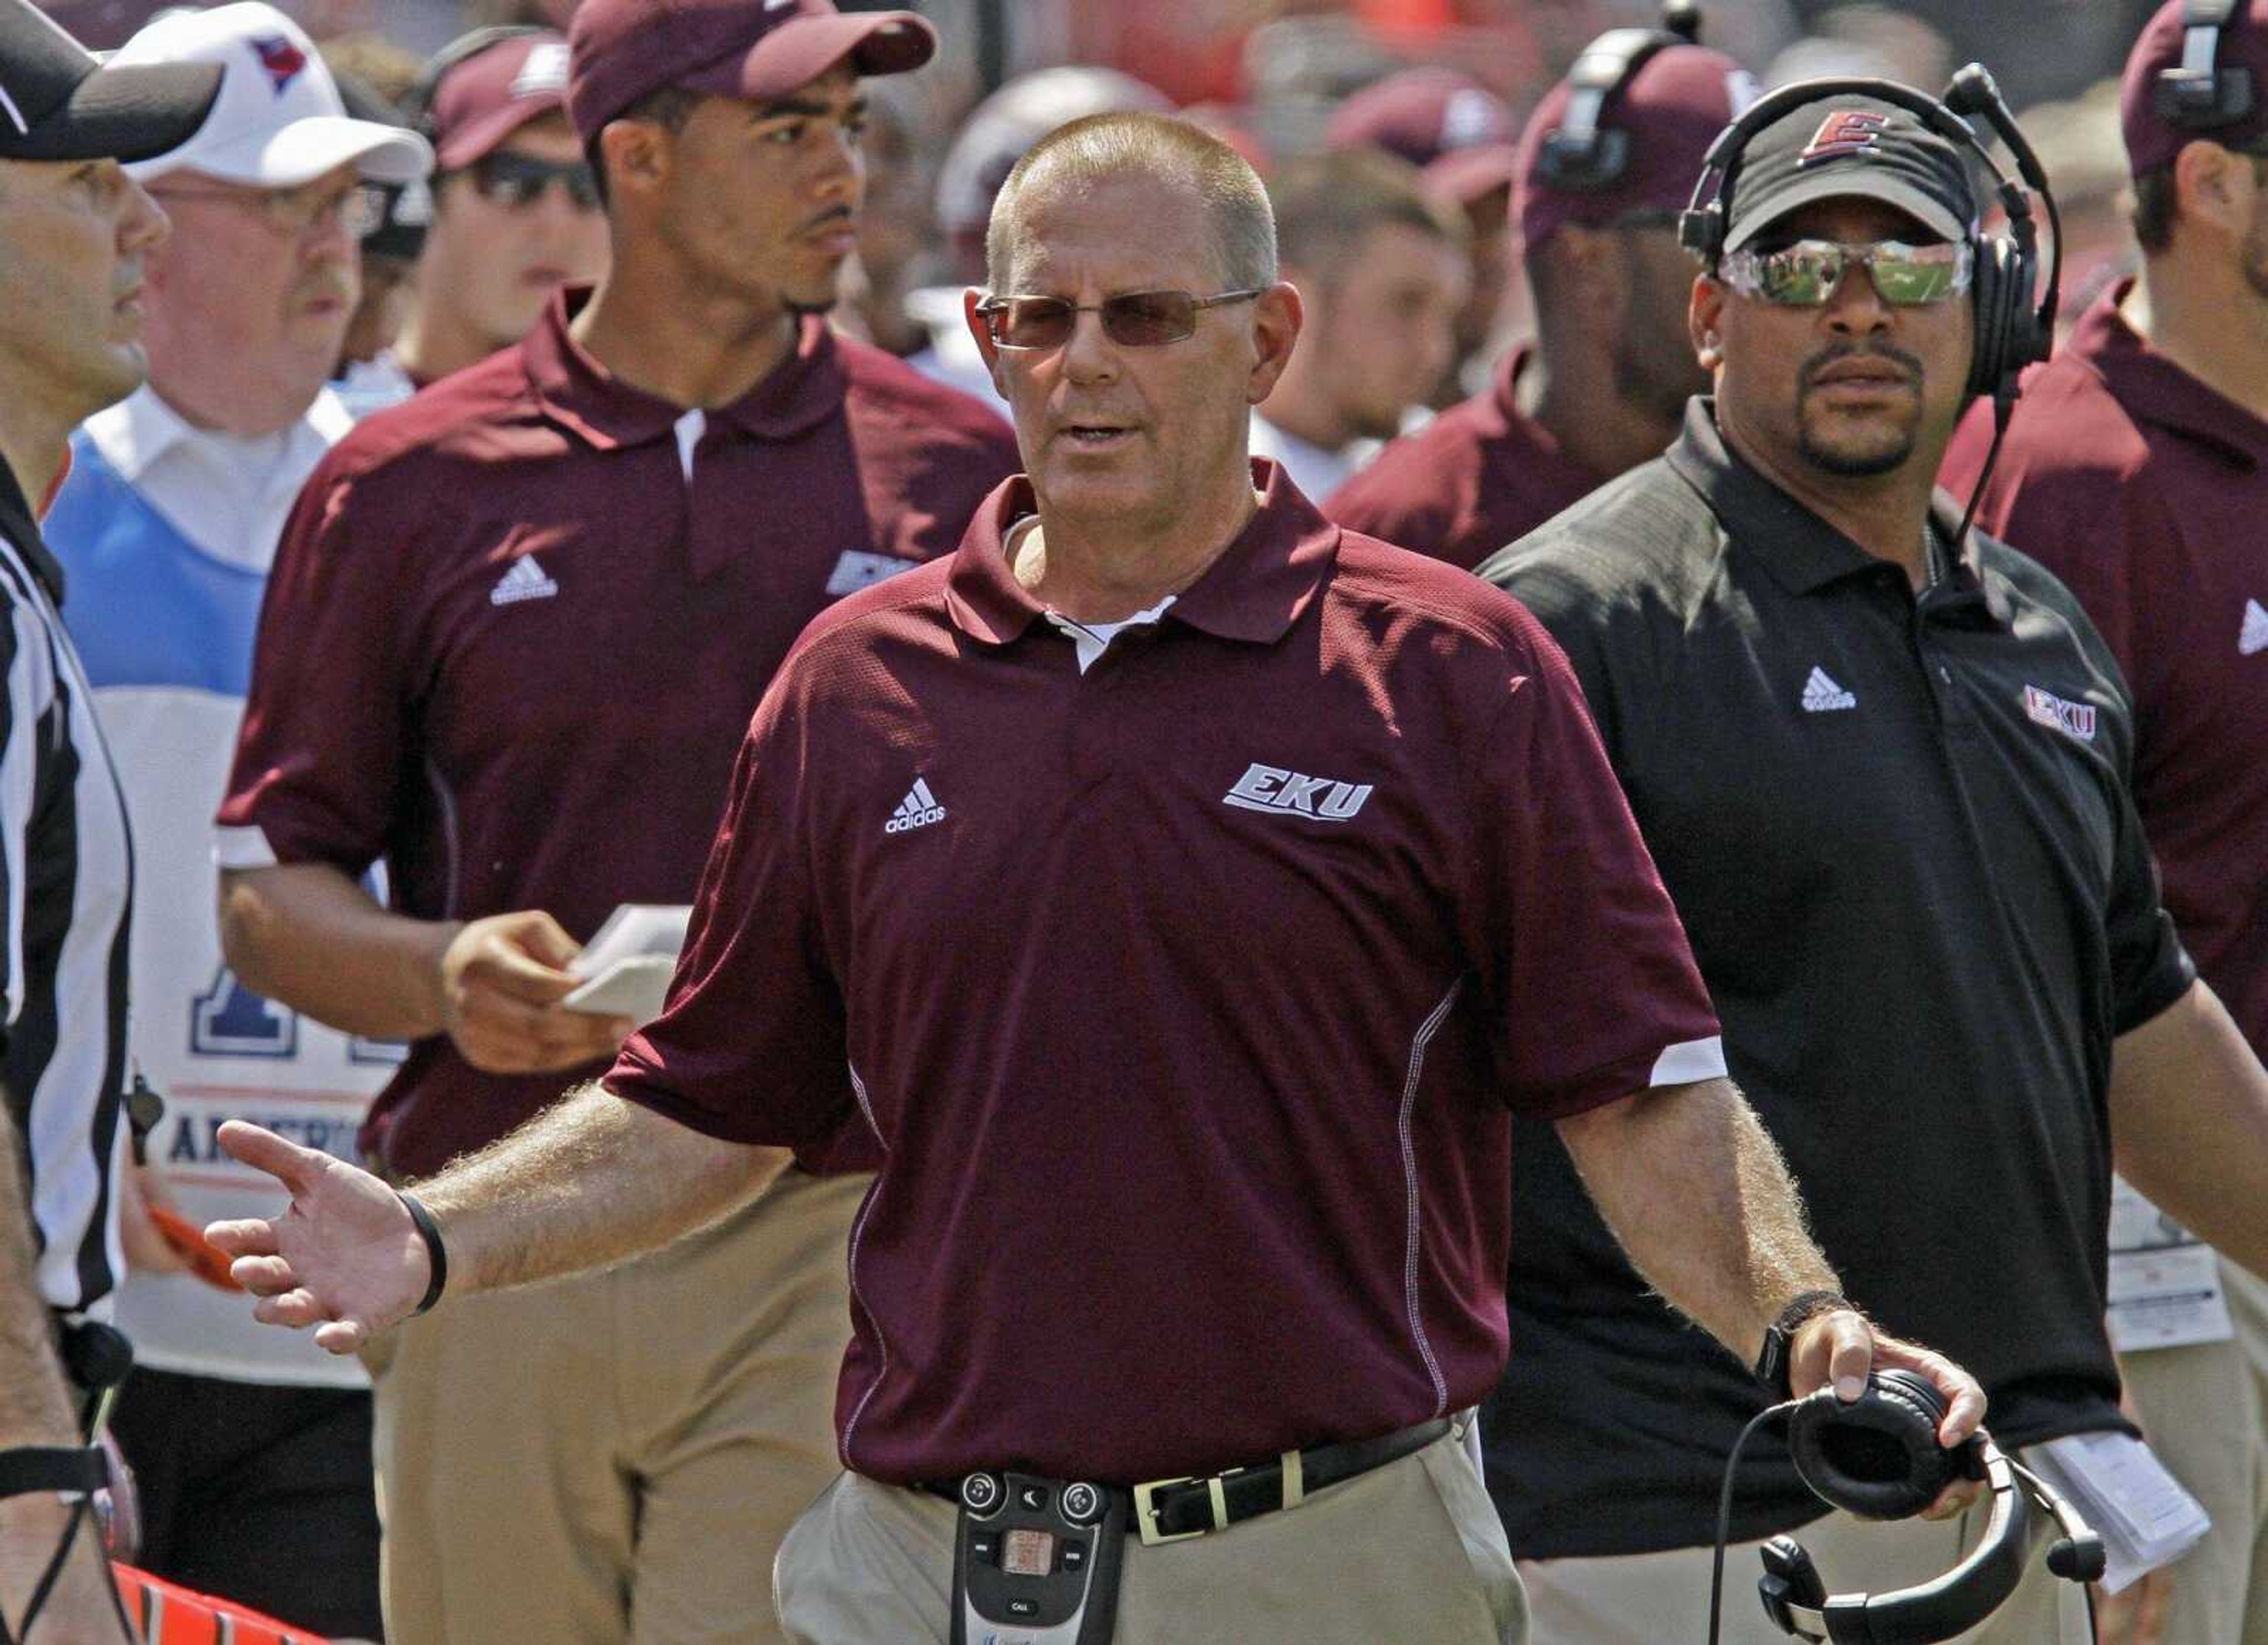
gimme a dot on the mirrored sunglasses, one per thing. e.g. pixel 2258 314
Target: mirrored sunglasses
pixel 1133 319
pixel 516 181
pixel 1807 273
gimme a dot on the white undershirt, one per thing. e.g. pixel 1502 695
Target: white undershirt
pixel 1089 640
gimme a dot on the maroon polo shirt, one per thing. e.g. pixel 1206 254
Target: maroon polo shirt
pixel 1188 997
pixel 1480 475
pixel 2146 492
pixel 511 644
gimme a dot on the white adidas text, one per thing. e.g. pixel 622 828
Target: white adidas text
pixel 918 809
pixel 526 580
pixel 1823 695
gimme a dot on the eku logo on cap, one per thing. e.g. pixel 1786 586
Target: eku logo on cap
pixel 280 57
pixel 544 72
pixel 1845 131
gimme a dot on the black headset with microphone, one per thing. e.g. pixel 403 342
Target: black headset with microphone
pixel 2200 94
pixel 2012 330
pixel 1584 156
pixel 1879 1458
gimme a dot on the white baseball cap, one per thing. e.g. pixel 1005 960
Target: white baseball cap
pixel 278 121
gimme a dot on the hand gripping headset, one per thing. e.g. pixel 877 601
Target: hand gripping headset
pixel 1879 1458
pixel 1581 156
pixel 2011 332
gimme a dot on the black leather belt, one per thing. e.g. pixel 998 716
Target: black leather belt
pixel 1172 1510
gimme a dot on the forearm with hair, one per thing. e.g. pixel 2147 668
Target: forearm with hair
pixel 592 1181
pixel 34 1410
pixel 1699 1196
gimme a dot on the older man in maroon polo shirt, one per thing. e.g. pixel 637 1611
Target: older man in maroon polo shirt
pixel 2137 471
pixel 513 637
pixel 1190 890
pixel 1603 386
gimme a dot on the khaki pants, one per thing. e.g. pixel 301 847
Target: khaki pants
pixel 613 1459
pixel 2202 1407
pixel 1663 1598
pixel 1410 1551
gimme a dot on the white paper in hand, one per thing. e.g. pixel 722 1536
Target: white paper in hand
pixel 629 964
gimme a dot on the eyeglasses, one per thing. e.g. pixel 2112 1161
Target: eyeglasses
pixel 293 212
pixel 1807 274
pixel 1133 319
pixel 517 182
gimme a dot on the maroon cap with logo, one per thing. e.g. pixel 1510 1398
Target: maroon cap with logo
pixel 483 98
pixel 622 51
pixel 1449 125
pixel 2165 101
pixel 1661 121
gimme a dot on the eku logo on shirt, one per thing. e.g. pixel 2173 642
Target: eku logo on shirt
pixel 2072 719
pixel 1273 789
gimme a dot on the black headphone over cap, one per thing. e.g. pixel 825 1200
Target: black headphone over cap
pixel 2011 332
pixel 1582 157
pixel 2199 94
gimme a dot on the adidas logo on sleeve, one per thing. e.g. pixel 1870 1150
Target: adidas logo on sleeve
pixel 918 809
pixel 1823 695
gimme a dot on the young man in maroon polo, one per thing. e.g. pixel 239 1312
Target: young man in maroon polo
pixel 512 639
pixel 1603 386
pixel 1188 889
pixel 2137 470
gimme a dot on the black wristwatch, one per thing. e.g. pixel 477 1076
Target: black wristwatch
pixel 1772 1364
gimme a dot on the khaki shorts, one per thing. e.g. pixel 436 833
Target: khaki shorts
pixel 613 1459
pixel 1409 1552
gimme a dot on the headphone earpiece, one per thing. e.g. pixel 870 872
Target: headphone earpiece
pixel 1877 1458
pixel 1582 157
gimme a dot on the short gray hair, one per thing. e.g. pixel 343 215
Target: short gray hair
pixel 1107 148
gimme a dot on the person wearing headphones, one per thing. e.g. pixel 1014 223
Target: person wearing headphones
pixel 1884 766
pixel 1601 170
pixel 2139 475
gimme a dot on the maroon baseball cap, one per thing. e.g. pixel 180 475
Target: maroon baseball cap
pixel 1423 114
pixel 1654 131
pixel 2163 103
pixel 621 51
pixel 484 97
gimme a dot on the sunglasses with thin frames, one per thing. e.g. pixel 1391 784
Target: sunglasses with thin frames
pixel 1807 274
pixel 516 181
pixel 1132 319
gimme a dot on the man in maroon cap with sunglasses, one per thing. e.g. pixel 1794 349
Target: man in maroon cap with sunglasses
pixel 1603 386
pixel 512 639
pixel 515 207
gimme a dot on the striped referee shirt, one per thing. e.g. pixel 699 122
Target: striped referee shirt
pixel 66 885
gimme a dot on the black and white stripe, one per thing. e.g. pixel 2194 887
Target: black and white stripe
pixel 66 887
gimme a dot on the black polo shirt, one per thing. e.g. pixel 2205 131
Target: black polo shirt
pixel 1900 831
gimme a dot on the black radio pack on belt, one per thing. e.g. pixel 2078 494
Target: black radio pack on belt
pixel 1878 1457
pixel 1038 1558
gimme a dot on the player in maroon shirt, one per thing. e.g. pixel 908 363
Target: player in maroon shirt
pixel 513 638
pixel 2137 471
pixel 1603 386
pixel 1192 890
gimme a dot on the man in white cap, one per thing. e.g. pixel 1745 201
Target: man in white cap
pixel 253 1454
pixel 74 232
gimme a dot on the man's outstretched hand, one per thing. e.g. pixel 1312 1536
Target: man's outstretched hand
pixel 344 1257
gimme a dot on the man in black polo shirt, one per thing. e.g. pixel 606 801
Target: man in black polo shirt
pixel 1190 889
pixel 1885 774
pixel 73 231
